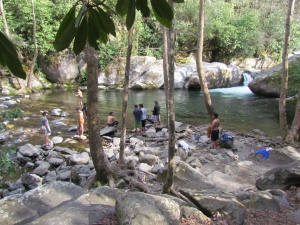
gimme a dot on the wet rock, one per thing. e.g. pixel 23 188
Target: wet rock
pixel 56 112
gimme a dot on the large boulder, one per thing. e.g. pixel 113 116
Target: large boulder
pixel 213 202
pixel 139 208
pixel 62 69
pixel 147 73
pixel 113 75
pixel 281 177
pixel 268 83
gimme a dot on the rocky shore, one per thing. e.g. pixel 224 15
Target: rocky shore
pixel 231 183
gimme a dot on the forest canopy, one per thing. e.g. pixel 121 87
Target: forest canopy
pixel 233 28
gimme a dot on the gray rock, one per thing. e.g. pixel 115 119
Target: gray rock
pixel 149 159
pixel 187 177
pixel 56 161
pixel 77 159
pixel 29 150
pixel 31 181
pixel 42 169
pixel 57 140
pixel 213 202
pixel 64 150
pixel 138 208
pixel 55 112
pixel 50 177
pixel 22 209
pixel 107 131
pixel 65 175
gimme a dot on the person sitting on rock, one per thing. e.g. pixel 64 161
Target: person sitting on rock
pixel 111 121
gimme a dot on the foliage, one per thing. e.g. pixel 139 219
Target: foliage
pixel 6 166
pixel 294 78
pixel 92 24
pixel 48 16
pixel 15 113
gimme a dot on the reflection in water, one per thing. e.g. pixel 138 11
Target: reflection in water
pixel 238 108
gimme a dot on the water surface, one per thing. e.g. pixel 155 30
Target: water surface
pixel 239 109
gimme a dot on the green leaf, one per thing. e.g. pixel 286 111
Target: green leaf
pixel 178 1
pixel 142 5
pixel 7 45
pixel 122 7
pixel 99 25
pixel 162 9
pixel 79 16
pixel 81 37
pixel 163 21
pixel 130 14
pixel 93 34
pixel 15 66
pixel 107 22
pixel 97 2
pixel 8 57
pixel 66 31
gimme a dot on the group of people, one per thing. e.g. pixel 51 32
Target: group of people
pixel 140 117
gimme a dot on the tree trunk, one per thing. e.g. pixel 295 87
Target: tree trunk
pixel 5 27
pixel 168 186
pixel 201 74
pixel 101 163
pixel 294 132
pixel 165 34
pixel 35 48
pixel 284 78
pixel 125 97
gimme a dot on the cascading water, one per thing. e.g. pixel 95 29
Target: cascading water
pixel 240 90
pixel 247 78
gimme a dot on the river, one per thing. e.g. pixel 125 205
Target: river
pixel 239 109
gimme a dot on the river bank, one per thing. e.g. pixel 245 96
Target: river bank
pixel 233 170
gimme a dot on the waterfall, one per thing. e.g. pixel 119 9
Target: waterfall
pixel 247 78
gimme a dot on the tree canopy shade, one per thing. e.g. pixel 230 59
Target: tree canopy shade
pixel 9 57
pixel 93 24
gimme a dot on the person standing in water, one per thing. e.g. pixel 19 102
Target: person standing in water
pixel 79 95
pixel 214 131
pixel 80 122
pixel 46 128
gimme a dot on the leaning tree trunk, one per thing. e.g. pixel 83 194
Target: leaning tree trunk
pixel 201 74
pixel 125 97
pixel 165 34
pixel 101 163
pixel 285 76
pixel 35 47
pixel 169 185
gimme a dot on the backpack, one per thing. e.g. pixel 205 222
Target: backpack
pixel 226 140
